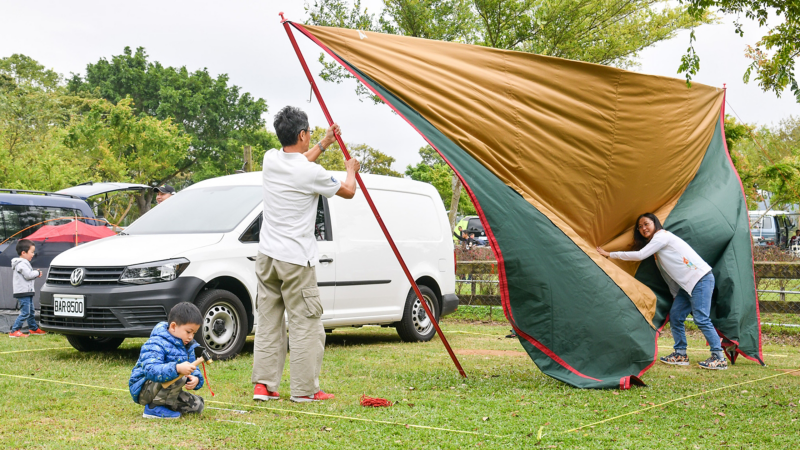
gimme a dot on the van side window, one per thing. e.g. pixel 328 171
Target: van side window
pixel 15 218
pixel 251 233
pixel 322 226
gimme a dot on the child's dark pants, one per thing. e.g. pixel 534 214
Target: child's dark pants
pixel 173 397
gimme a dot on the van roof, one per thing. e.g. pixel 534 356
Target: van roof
pixel 372 181
pixel 774 213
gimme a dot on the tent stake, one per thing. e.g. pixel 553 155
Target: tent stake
pixel 369 199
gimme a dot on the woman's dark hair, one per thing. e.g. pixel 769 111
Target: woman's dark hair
pixel 638 240
pixel 288 123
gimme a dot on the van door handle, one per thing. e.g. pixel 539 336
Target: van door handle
pixel 326 260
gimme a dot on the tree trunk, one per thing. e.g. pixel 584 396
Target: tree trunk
pixel 454 201
pixel 144 200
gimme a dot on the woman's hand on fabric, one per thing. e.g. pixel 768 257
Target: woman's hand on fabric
pixel 603 252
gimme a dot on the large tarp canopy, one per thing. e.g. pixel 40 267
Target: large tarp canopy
pixel 560 157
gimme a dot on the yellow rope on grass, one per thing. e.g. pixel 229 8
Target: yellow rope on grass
pixel 679 399
pixel 288 411
pixel 35 350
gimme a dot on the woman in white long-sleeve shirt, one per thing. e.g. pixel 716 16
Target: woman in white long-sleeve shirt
pixel 690 281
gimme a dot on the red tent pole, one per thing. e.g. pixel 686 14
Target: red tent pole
pixel 369 200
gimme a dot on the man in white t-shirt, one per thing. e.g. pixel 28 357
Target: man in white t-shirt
pixel 287 254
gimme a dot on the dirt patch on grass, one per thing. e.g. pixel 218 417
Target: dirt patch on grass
pixel 489 352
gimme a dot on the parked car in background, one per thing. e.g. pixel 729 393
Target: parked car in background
pixel 771 228
pixel 472 225
pixel 22 213
pixel 201 247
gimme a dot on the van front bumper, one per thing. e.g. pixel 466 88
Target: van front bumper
pixel 117 310
pixel 449 304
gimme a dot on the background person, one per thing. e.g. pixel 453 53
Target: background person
pixel 690 281
pixel 164 192
pixel 24 290
pixel 287 256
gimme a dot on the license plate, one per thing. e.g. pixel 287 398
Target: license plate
pixel 68 305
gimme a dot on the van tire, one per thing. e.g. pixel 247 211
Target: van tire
pixel 224 328
pixel 94 343
pixel 415 325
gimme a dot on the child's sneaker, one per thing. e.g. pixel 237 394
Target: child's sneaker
pixel 262 393
pixel 160 412
pixel 675 359
pixel 312 398
pixel 714 363
pixel 17 334
pixel 37 332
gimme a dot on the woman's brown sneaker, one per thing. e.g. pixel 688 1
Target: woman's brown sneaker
pixel 714 363
pixel 675 359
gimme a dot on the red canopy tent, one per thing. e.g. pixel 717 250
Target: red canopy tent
pixel 76 231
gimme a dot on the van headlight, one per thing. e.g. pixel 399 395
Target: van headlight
pixel 154 272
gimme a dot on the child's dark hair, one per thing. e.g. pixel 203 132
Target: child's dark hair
pixel 24 245
pixel 639 241
pixel 183 313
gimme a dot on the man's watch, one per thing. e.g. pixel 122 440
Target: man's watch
pixel 322 148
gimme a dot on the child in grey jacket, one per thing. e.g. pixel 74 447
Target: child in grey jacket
pixel 23 280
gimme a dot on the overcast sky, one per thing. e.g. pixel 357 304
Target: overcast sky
pixel 245 39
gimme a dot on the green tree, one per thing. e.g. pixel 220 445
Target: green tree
pixel 122 146
pixel 610 32
pixel 768 160
pixel 218 117
pixel 34 110
pixel 774 55
pixel 432 169
pixel 371 160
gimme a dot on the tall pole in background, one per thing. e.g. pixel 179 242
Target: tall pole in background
pixel 369 199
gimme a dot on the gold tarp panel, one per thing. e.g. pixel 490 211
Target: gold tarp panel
pixel 572 147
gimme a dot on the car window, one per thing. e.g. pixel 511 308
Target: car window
pixel 765 223
pixel 322 224
pixel 15 218
pixel 217 209
pixel 475 226
pixel 250 235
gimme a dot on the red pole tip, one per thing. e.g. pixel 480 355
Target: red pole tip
pixel 283 19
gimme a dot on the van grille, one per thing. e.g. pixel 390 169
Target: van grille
pixel 145 316
pixel 94 275
pixel 95 318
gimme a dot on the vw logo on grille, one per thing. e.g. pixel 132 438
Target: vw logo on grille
pixel 77 276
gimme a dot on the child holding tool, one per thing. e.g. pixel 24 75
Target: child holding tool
pixel 165 357
pixel 23 281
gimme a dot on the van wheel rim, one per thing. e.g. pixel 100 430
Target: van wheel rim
pixel 422 322
pixel 219 326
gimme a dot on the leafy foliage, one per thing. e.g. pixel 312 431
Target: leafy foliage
pixel 371 160
pixel 774 71
pixel 432 169
pixel 768 161
pixel 219 118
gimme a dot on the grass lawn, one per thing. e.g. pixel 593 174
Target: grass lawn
pixel 506 400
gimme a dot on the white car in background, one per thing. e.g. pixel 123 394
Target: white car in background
pixel 201 247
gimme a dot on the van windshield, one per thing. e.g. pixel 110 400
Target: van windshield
pixel 215 209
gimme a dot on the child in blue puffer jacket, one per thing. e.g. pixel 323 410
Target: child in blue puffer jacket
pixel 168 354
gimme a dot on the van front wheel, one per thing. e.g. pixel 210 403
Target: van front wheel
pixel 416 325
pixel 93 343
pixel 223 330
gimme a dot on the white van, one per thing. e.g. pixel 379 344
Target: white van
pixel 200 246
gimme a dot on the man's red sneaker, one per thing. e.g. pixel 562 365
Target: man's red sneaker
pixel 37 332
pixel 17 334
pixel 262 393
pixel 312 398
